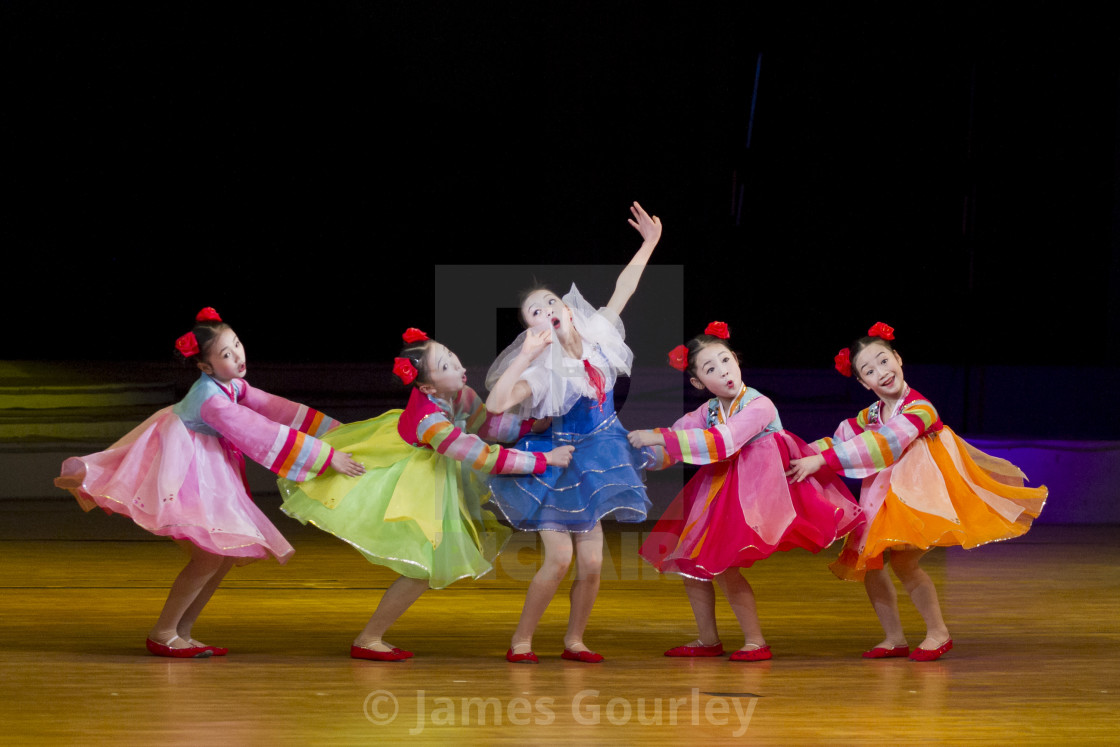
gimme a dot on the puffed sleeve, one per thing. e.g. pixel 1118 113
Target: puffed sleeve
pixel 699 445
pixel 500 427
pixel 440 434
pixel 281 448
pixel 869 450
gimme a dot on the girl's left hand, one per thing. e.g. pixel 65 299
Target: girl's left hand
pixel 799 469
pixel 638 439
pixel 649 228
pixel 345 464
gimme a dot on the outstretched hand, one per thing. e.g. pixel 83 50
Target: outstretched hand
pixel 561 456
pixel 649 228
pixel 799 469
pixel 638 439
pixel 345 464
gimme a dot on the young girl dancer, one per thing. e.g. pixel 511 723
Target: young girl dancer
pixel 180 474
pixel 573 384
pixel 739 507
pixel 417 509
pixel 923 486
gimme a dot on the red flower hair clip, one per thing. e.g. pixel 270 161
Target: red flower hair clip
pixel 844 362
pixel 404 370
pixel 207 315
pixel 678 358
pixel 882 331
pixel 187 345
pixel 717 329
pixel 412 335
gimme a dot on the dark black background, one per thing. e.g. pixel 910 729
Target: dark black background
pixel 949 170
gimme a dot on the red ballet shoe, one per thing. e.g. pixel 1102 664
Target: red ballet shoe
pixel 762 653
pixel 886 653
pixel 587 657
pixel 931 654
pixel 395 654
pixel 192 652
pixel 527 658
pixel 716 649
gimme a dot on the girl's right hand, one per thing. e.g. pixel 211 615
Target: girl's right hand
pixel 799 469
pixel 638 439
pixel 536 340
pixel 561 456
pixel 345 464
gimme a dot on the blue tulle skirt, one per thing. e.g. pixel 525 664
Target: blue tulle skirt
pixel 604 477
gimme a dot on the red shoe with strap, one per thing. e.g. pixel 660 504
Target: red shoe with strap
pixel 394 654
pixel 190 652
pixel 762 653
pixel 716 649
pixel 587 657
pixel 526 658
pixel 931 654
pixel 886 653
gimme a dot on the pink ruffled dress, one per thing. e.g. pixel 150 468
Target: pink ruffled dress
pixel 740 507
pixel 181 473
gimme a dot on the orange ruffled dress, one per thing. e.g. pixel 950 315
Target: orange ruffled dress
pixel 923 486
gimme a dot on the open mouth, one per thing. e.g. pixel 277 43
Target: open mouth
pixel 555 322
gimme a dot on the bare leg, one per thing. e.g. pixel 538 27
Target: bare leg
pixel 186 589
pixel 396 600
pixel 740 596
pixel 554 567
pixel 585 587
pixel 186 623
pixel 884 600
pixel 702 598
pixel 922 593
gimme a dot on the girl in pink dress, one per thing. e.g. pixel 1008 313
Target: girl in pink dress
pixel 180 474
pixel 739 507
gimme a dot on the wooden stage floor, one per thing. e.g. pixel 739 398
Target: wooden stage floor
pixel 1034 621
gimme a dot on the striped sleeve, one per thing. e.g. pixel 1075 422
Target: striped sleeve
pixel 500 427
pixel 439 433
pixel 284 411
pixel 282 449
pixel 708 445
pixel 869 450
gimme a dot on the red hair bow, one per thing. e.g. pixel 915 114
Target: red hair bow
pixel 717 329
pixel 207 315
pixel 187 345
pixel 882 331
pixel 412 335
pixel 404 370
pixel 678 358
pixel 844 361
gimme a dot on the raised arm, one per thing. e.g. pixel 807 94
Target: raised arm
pixel 509 390
pixel 627 283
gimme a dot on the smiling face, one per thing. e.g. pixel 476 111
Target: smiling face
pixel 444 374
pixel 717 370
pixel 543 308
pixel 225 358
pixel 880 370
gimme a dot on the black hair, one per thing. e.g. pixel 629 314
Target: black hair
pixel 205 334
pixel 698 343
pixel 417 354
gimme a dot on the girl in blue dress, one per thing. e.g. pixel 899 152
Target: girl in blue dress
pixel 564 367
